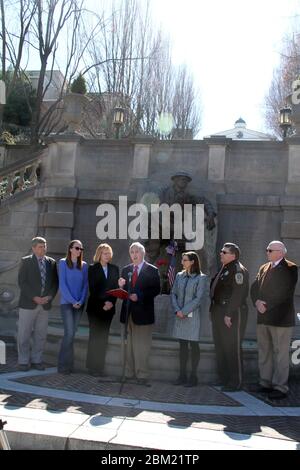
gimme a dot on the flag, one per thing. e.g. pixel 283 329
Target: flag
pixel 171 250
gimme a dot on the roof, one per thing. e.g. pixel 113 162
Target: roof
pixel 240 132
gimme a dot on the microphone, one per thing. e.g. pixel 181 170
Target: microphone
pixel 129 277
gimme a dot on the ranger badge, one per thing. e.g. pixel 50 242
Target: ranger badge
pixel 239 278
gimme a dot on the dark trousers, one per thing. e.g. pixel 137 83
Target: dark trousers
pixel 228 346
pixel 98 339
pixel 184 357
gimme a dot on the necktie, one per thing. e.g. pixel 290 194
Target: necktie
pixel 43 272
pixel 134 276
pixel 213 286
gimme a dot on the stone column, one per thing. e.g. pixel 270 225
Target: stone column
pixel 217 157
pixel 58 191
pixel 57 195
pixel 216 177
pixel 293 177
pixel 141 162
pixel 290 235
pixel 290 227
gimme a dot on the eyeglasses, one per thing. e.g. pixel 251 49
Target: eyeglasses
pixel 270 251
pixel 225 252
pixel 78 248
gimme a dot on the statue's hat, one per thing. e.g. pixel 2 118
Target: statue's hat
pixel 182 173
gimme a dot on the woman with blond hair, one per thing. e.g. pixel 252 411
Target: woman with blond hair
pixel 190 299
pixel 102 276
pixel 73 285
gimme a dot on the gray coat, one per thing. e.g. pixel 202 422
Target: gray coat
pixel 190 293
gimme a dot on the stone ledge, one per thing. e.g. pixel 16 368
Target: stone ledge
pixel 164 356
pixel 56 193
pixel 216 140
pixel 249 200
pixel 56 219
pixel 290 230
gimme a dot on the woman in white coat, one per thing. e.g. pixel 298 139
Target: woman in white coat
pixel 189 296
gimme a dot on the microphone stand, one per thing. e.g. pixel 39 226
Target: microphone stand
pixel 125 335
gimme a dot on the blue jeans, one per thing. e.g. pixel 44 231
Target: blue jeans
pixel 71 317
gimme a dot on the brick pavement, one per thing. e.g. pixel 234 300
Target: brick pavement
pixel 278 427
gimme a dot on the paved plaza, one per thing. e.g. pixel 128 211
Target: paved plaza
pixel 47 410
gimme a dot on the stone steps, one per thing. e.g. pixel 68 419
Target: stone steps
pixel 164 361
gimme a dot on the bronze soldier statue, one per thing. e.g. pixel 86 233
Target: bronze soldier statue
pixel 179 193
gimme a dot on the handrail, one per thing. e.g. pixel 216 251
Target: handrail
pixel 18 164
pixel 19 176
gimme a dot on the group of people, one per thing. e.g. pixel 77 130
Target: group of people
pixel 39 280
pixel 272 293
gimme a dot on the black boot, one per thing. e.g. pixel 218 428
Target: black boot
pixel 181 380
pixel 183 358
pixel 192 382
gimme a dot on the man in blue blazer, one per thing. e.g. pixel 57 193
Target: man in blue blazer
pixel 142 281
pixel 38 282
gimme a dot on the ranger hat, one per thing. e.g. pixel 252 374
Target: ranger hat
pixel 182 173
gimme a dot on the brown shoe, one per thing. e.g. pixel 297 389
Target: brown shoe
pixel 277 395
pixel 264 389
pixel 143 382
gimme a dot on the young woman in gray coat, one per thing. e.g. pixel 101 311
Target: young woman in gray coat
pixel 189 296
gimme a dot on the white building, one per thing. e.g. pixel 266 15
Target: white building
pixel 54 80
pixel 240 132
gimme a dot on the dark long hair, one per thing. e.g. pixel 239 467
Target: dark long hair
pixel 68 256
pixel 196 266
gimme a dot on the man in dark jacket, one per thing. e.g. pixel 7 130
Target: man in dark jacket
pixel 272 294
pixel 142 281
pixel 38 282
pixel 229 291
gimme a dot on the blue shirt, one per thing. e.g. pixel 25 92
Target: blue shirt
pixel 105 269
pixel 73 283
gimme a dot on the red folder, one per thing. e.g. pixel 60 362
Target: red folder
pixel 119 293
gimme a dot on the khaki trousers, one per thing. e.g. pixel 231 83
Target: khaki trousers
pixel 274 356
pixel 33 325
pixel 139 340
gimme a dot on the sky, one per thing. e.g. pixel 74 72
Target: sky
pixel 232 47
